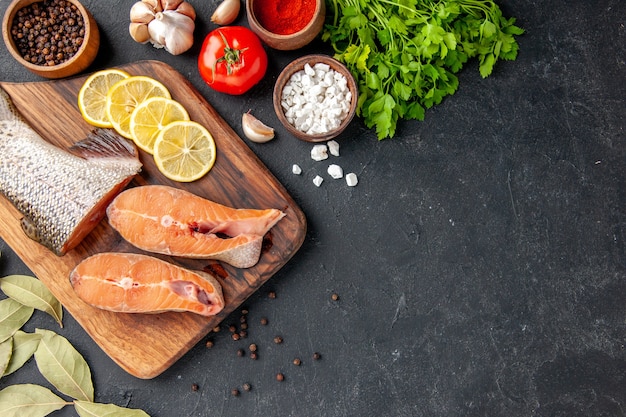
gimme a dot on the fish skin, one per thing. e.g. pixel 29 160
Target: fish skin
pixel 136 283
pixel 62 194
pixel 170 221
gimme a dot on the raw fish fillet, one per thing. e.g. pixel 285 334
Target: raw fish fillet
pixel 62 195
pixel 133 283
pixel 170 221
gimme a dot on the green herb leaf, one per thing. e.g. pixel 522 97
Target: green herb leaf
pixel 28 400
pixel 90 409
pixel 6 350
pixel 24 345
pixel 32 292
pixel 416 45
pixel 13 315
pixel 61 364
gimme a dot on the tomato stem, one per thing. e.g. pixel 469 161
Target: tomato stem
pixel 231 56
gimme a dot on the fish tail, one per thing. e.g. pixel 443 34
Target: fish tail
pixel 104 144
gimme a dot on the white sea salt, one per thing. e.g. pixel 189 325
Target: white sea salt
pixel 351 179
pixel 318 180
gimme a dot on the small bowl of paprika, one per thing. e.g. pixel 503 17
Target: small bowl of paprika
pixel 52 38
pixel 286 24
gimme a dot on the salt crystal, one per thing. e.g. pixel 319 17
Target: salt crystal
pixel 318 180
pixel 351 179
pixel 333 147
pixel 296 169
pixel 319 152
pixel 335 171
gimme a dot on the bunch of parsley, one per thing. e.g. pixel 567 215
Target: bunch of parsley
pixel 404 54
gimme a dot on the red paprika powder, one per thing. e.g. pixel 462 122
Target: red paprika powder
pixel 284 17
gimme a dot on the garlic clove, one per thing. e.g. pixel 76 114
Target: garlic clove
pixel 226 12
pixel 187 9
pixel 171 4
pixel 141 12
pixel 155 5
pixel 255 130
pixel 139 32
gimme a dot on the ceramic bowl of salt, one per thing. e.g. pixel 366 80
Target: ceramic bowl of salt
pixel 286 24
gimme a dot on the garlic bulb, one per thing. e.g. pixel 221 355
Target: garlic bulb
pixel 166 24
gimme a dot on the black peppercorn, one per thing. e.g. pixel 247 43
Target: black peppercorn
pixel 263 321
pixel 35 26
pixel 247 387
pixel 317 356
pixel 234 392
pixel 280 377
pixel 297 361
pixel 195 387
pixel 278 340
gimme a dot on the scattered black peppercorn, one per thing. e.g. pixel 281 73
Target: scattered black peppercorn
pixel 234 392
pixel 216 329
pixel 240 352
pixel 232 328
pixel 272 294
pixel 254 355
pixel 195 387
pixel 278 340
pixel 334 297
pixel 297 361
pixel 317 356
pixel 247 387
pixel 253 347
pixel 264 321
pixel 280 377
pixel 235 336
pixel 209 344
pixel 243 334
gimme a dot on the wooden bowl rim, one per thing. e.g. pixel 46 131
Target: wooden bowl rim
pixel 91 35
pixel 319 5
pixel 297 65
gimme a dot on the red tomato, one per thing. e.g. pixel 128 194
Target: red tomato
pixel 232 59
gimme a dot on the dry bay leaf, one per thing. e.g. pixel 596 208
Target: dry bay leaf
pixel 61 364
pixel 13 315
pixel 6 351
pixel 33 293
pixel 24 345
pixel 28 400
pixel 89 409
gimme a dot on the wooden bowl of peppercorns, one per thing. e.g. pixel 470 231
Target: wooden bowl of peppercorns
pixel 52 38
pixel 286 24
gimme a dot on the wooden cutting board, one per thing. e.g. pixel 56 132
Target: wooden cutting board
pixel 142 344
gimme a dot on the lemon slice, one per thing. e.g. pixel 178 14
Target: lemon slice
pixel 184 151
pixel 127 94
pixel 92 96
pixel 150 117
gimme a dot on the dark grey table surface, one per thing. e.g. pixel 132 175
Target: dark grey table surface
pixel 480 262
